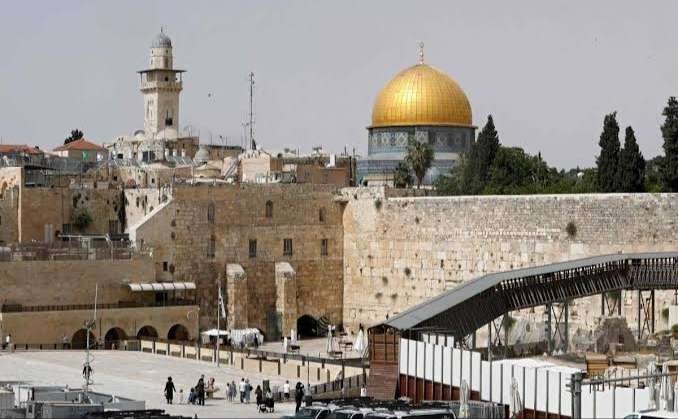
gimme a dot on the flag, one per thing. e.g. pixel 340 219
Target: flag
pixel 222 307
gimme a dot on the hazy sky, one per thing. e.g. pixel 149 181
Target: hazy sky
pixel 546 70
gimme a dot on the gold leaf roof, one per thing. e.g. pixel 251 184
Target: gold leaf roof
pixel 421 95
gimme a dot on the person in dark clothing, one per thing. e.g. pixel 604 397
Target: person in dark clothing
pixel 298 395
pixel 260 396
pixel 200 390
pixel 169 390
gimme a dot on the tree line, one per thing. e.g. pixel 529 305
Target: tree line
pixel 492 168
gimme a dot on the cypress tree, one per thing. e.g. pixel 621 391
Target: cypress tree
pixel 670 134
pixel 476 173
pixel 608 160
pixel 631 165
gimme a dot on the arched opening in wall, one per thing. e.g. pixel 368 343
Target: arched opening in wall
pixel 178 332
pixel 269 209
pixel 310 327
pixel 147 332
pixel 113 337
pixel 79 339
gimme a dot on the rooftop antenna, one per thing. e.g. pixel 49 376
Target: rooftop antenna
pixel 421 52
pixel 251 123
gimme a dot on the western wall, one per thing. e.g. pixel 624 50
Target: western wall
pixel 400 251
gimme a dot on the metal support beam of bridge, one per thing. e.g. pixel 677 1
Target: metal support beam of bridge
pixel 558 338
pixel 494 338
pixel 646 320
pixel 611 302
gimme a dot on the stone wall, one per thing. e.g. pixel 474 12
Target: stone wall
pixel 181 234
pixel 401 251
pixel 44 211
pixel 69 282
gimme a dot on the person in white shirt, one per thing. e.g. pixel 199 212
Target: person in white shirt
pixel 363 391
pixel 8 341
pixel 286 390
pixel 242 387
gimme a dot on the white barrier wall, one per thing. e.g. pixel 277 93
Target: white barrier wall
pixel 542 385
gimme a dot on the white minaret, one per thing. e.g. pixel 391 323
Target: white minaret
pixel 161 85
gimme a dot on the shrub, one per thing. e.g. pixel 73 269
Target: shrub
pixel 407 271
pixel 377 204
pixel 81 219
pixel 571 230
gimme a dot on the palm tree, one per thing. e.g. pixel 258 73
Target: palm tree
pixel 419 157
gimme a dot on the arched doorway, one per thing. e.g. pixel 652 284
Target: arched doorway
pixel 79 339
pixel 147 332
pixel 178 332
pixel 113 337
pixel 310 327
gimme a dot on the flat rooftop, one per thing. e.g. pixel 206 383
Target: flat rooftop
pixel 139 376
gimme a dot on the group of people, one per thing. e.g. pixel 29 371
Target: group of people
pixel 197 393
pixel 244 389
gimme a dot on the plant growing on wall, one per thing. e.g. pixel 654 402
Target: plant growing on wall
pixel 377 204
pixel 81 219
pixel 408 271
pixel 571 230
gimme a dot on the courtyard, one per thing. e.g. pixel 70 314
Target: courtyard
pixel 140 376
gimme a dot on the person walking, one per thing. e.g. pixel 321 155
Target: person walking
pixel 298 395
pixel 200 390
pixel 248 390
pixel 241 388
pixel 234 390
pixel 169 390
pixel 286 390
pixel 228 392
pixel 259 394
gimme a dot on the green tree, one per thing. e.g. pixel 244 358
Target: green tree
pixel 670 134
pixel 608 160
pixel 420 158
pixel 81 219
pixel 476 172
pixel 76 135
pixel 631 165
pixel 402 177
pixel 653 174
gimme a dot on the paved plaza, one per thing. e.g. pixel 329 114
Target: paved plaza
pixel 137 375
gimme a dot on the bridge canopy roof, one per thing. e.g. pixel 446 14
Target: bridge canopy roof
pixel 497 292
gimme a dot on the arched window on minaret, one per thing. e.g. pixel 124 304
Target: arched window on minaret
pixel 168 119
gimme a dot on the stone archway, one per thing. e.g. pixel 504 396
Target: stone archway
pixel 113 337
pixel 178 332
pixel 79 339
pixel 147 332
pixel 308 327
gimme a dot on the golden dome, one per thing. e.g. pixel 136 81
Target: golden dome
pixel 421 95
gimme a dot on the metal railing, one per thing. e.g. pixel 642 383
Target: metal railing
pixel 19 308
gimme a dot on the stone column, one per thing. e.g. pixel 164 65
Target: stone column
pixel 286 296
pixel 236 297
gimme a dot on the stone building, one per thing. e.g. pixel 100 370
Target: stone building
pixel 82 150
pixel 422 104
pixel 242 234
pixel 46 301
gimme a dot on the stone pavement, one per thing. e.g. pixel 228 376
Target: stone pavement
pixel 139 376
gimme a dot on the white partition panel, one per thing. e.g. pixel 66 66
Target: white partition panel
pixel 412 361
pixel 624 402
pixel 485 374
pixel 466 366
pixel 566 396
pixel 404 346
pixel 586 402
pixel 497 383
pixel 477 378
pixel 456 364
pixel 554 392
pixel 642 399
pixel 603 403
pixel 421 348
pixel 528 398
pixel 428 362
pixel 447 365
pixel 438 363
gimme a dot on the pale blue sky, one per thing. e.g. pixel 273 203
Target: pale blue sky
pixel 547 70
